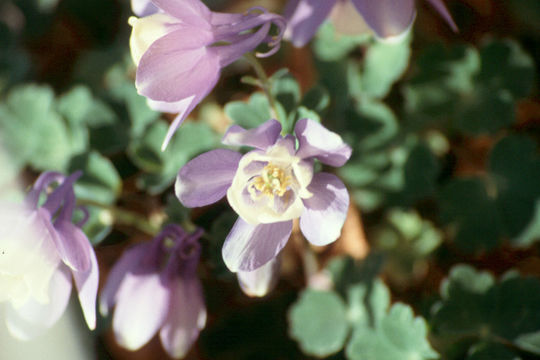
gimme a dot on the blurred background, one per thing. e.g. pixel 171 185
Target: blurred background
pixel 444 178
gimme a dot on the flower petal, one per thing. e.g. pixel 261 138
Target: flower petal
pixel 143 7
pixel 140 310
pixel 248 247
pixel 316 141
pixel 205 179
pixel 87 287
pixel 443 11
pixel 127 262
pixel 186 317
pixel 72 245
pixel 146 30
pixel 304 18
pixel 261 281
pixel 177 66
pixel 33 318
pixel 325 212
pixel 183 107
pixel 261 137
pixel 387 18
pixel 192 12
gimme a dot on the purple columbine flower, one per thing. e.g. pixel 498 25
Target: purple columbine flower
pixel 269 187
pixel 40 251
pixel 386 18
pixel 155 288
pixel 180 51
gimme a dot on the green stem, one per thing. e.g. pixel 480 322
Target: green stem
pixel 265 85
pixel 125 217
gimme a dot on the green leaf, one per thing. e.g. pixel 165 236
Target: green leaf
pixel 251 114
pixel 318 321
pixel 32 131
pixel 368 303
pixel 331 46
pixel 491 351
pixel 383 65
pixel 474 305
pixel 531 233
pixel 346 271
pixel 466 204
pixel 505 65
pixel 376 123
pixel 286 91
pixel 100 181
pixel 420 173
pixel 162 166
pixel 529 342
pixel 515 166
pixel 317 99
pixel 469 90
pixel 398 335
pixel 407 240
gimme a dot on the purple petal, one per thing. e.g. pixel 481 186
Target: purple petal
pixel 248 247
pixel 128 261
pixel 178 66
pixel 33 318
pixel 183 107
pixel 387 18
pixel 87 287
pixel 192 12
pixel 186 317
pixel 443 11
pixel 304 18
pixel 317 141
pixel 205 179
pixel 261 137
pixel 259 282
pixel 325 212
pixel 72 245
pixel 143 7
pixel 140 310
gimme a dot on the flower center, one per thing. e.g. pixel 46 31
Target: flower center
pixel 272 181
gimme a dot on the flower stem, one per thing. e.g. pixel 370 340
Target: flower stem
pixel 125 217
pixel 265 85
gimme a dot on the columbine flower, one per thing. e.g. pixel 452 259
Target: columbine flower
pixel 180 51
pixel 155 288
pixel 386 18
pixel 40 250
pixel 269 187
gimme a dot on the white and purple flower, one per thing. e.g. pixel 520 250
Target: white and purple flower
pixel 180 50
pixel 155 288
pixel 269 187
pixel 387 19
pixel 40 251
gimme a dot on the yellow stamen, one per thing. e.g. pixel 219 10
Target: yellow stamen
pixel 272 181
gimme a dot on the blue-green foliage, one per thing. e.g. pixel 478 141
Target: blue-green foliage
pixel 475 308
pixel 324 322
pixel 445 170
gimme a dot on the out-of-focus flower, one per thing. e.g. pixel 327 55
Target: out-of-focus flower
pixel 387 19
pixel 179 51
pixel 155 288
pixel 40 250
pixel 269 187
pixel 261 281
